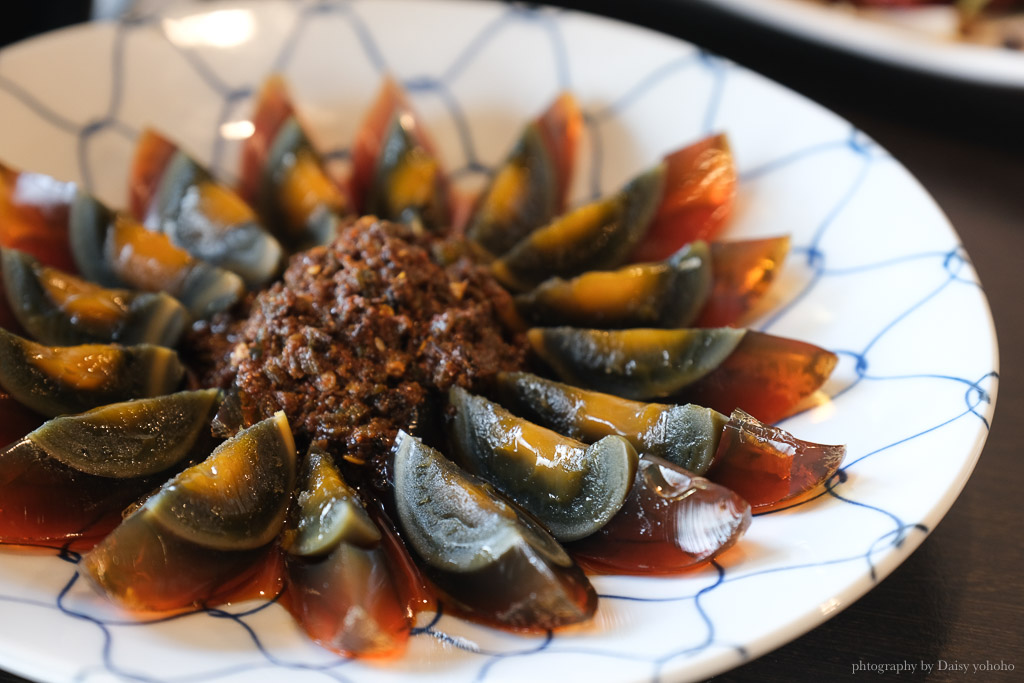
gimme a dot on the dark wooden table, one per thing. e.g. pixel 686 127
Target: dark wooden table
pixel 960 596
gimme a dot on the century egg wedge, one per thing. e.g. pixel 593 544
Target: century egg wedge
pixel 397 174
pixel 723 368
pixel 54 380
pixel 531 185
pixel 341 585
pixel 58 308
pixel 189 542
pixel 471 542
pixel 171 193
pixel 284 178
pixel 572 488
pixel 69 480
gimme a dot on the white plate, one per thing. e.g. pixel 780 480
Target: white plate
pixel 877 274
pixel 886 42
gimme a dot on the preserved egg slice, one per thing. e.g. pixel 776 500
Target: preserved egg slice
pixel 766 376
pixel 493 564
pixel 594 236
pixel 416 591
pixel 129 439
pixel 340 586
pixel 237 498
pixel 408 184
pixel 284 178
pixel 70 479
pixel 529 188
pixel 329 511
pixel 561 125
pixel 572 488
pixel 117 251
pixel 743 270
pixel 89 222
pixel 347 602
pixel 686 435
pixel 54 380
pixel 697 200
pixel 370 138
pixel 145 568
pixel 34 216
pixel 210 221
pixel 273 108
pixel 672 522
pixel 722 368
pixel 47 503
pixel 58 308
pixel 204 532
pixel 396 174
pixel 668 293
pixel 770 467
pixel 640 363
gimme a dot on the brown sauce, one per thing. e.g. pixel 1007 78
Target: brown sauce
pixel 360 338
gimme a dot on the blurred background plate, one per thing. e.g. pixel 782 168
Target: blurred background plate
pixel 876 40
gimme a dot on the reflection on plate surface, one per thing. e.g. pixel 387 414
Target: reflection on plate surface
pixel 876 274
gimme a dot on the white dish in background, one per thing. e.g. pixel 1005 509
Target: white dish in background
pixel 877 274
pixel 884 41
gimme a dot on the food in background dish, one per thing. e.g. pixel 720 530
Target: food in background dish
pixel 996 23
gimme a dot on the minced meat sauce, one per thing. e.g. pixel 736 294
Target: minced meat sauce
pixel 360 338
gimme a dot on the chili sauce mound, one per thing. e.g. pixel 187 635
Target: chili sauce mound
pixel 360 338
